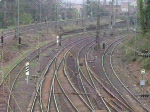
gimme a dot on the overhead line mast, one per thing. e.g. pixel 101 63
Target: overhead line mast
pixel 98 23
pixel 112 18
pixel 116 10
pixel 5 14
pixel 18 21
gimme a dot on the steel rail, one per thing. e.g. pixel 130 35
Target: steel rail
pixel 91 78
pixel 106 73
pixel 39 87
pixel 47 68
pixel 104 87
pixel 95 88
pixel 57 73
pixel 121 81
pixel 68 52
pixel 28 27
pixel 66 94
pixel 11 89
pixel 44 47
pixel 88 82
pixel 79 70
pixel 66 75
pixel 26 58
pixel 121 39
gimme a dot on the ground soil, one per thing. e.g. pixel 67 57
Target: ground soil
pixel 130 75
pixel 11 52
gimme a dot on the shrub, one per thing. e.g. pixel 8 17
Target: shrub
pixel 26 19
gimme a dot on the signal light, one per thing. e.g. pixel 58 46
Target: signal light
pixel 145 51
pixel 144 95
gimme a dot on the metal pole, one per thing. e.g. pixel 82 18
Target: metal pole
pixel 18 18
pixel 46 26
pixel 1 58
pixel 116 10
pixel 2 65
pixel 39 50
pixel 98 23
pixel 18 21
pixel 40 11
pixel 113 12
pixel 128 17
pixel 56 16
pixel 142 86
pixel 135 30
pixel 83 16
pixel 27 79
pixel 5 8
pixel 36 11
pixel 112 18
pixel 66 10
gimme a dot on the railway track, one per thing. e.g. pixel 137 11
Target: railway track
pixel 16 76
pixel 92 80
pixel 42 25
pixel 57 72
pixel 68 82
pixel 39 26
pixel 114 80
pixel 19 67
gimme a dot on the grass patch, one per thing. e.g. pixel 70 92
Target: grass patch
pixel 145 63
pixel 33 64
pixel 25 50
pixel 148 82
pixel 70 28
pixel 142 43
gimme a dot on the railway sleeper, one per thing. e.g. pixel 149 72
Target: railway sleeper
pixel 3 107
pixel 2 104
pixel 118 105
pixel 113 107
pixel 99 104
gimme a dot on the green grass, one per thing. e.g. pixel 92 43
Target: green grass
pixel 6 69
pixel 145 63
pixel 70 28
pixel 33 63
pixel 142 44
pixel 24 53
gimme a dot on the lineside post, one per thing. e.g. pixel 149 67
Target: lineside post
pixel 27 71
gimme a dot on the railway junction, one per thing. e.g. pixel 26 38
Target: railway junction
pixel 78 75
pixel 53 67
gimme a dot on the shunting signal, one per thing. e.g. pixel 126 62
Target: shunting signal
pixel 27 68
pixel 145 54
pixel 145 95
